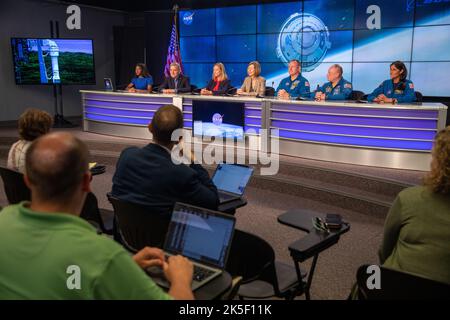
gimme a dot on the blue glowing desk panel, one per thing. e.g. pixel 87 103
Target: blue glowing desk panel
pixel 366 134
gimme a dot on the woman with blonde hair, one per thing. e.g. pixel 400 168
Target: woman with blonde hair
pixel 254 84
pixel 33 123
pixel 219 84
pixel 417 229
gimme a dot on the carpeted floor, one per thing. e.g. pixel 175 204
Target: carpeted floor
pixel 336 268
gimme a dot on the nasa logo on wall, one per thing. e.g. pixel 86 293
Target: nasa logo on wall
pixel 188 18
pixel 303 37
pixel 217 119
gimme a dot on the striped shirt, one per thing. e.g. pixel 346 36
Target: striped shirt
pixel 16 156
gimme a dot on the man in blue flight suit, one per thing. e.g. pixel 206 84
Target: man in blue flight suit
pixel 398 89
pixel 295 85
pixel 337 88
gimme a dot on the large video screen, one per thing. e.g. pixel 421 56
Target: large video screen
pixel 218 119
pixel 363 36
pixel 53 61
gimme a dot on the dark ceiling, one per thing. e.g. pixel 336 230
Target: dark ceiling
pixel 151 5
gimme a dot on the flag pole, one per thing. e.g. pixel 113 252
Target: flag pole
pixel 176 8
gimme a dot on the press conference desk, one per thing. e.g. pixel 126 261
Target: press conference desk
pixel 388 136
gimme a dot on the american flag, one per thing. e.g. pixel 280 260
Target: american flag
pixel 173 53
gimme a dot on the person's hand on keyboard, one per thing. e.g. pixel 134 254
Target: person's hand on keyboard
pixel 149 257
pixel 179 269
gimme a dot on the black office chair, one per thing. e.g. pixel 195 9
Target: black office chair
pixel 15 188
pixel 253 259
pixel 396 285
pixel 270 92
pixel 356 95
pixel 136 226
pixel 419 96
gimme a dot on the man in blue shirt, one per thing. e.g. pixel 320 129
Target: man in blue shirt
pixel 143 81
pixel 337 88
pixel 295 85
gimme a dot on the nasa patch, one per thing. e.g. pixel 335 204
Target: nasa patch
pixel 348 85
pixel 411 85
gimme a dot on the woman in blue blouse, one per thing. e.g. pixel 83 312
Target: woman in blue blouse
pixel 397 89
pixel 143 81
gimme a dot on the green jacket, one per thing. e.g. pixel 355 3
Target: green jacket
pixel 417 234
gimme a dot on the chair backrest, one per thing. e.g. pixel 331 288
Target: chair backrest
pixel 138 226
pixel 15 188
pixel 252 258
pixel 270 92
pixel 419 96
pixel 356 95
pixel 399 285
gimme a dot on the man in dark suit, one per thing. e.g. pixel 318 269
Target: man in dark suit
pixel 148 176
pixel 176 83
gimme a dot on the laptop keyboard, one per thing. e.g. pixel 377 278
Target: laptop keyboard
pixel 226 196
pixel 201 273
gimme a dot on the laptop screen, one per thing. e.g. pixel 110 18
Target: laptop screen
pixel 108 84
pixel 232 178
pixel 200 234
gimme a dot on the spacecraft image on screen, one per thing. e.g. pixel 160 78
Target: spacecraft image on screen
pixel 53 61
pixel 218 119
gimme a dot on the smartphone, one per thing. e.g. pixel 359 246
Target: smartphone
pixel 333 221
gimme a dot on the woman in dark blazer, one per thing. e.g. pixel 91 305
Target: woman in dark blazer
pixel 219 84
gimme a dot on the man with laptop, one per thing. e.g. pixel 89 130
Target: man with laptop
pixel 231 181
pixel 188 229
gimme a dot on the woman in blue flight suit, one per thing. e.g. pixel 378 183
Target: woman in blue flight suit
pixel 143 81
pixel 396 90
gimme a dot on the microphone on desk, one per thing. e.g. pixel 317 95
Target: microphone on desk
pixel 231 92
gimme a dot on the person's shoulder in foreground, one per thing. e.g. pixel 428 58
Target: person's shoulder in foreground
pixel 66 259
pixel 53 254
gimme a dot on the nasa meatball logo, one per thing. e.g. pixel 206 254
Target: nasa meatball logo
pixel 217 119
pixel 188 18
pixel 303 37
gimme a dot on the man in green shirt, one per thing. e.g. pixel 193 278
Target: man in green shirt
pixel 48 252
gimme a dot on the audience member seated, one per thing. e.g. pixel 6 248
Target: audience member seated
pixel 219 84
pixel 33 123
pixel 53 254
pixel 176 82
pixel 148 176
pixel 417 229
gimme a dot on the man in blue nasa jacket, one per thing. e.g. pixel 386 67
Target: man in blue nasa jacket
pixel 398 89
pixel 295 85
pixel 337 88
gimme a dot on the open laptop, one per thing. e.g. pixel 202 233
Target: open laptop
pixel 108 84
pixel 204 236
pixel 231 181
